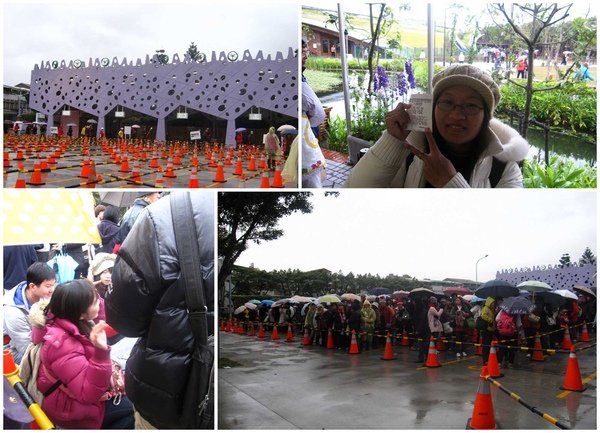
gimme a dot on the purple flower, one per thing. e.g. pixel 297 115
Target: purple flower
pixel 402 84
pixel 380 80
pixel 408 68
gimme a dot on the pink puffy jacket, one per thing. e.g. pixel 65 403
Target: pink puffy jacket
pixel 84 370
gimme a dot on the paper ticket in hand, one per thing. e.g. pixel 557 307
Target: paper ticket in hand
pixel 420 112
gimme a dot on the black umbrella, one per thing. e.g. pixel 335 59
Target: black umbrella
pixel 551 298
pixel 425 293
pixel 497 289
pixel 517 305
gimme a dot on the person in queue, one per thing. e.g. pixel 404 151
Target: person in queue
pixel 467 148
pixel 75 354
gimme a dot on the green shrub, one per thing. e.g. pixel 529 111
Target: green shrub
pixel 337 135
pixel 560 173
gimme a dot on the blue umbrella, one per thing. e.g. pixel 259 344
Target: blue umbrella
pixel 267 302
pixel 497 289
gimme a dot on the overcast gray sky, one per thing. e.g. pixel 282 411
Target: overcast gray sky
pixel 79 30
pixel 433 234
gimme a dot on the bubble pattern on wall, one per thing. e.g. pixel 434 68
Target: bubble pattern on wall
pixel 555 276
pixel 218 87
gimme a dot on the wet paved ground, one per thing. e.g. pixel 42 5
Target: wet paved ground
pixel 287 386
pixel 64 165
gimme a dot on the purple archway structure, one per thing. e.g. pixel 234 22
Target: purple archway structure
pixel 558 277
pixel 225 87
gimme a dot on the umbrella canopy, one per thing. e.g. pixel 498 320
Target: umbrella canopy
pixel 399 294
pixel 240 129
pixel 55 216
pixel 289 132
pixel 254 301
pixel 301 299
pixel 379 291
pixel 240 309
pixel 267 302
pixel 534 286
pixel 584 290
pixel 566 294
pixel 497 289
pixel 250 306
pixel 92 121
pixel 284 127
pixel 350 297
pixel 135 126
pixel 119 199
pixel 551 298
pixel 422 292
pixel 281 302
pixel 71 124
pixel 457 291
pixel 329 299
pixel 472 299
pixel 517 305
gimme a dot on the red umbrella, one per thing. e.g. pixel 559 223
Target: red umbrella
pixel 457 291
pixel 400 294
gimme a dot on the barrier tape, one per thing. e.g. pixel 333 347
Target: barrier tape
pixel 519 400
pixel 300 327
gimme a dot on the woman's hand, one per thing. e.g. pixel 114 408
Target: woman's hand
pixel 397 120
pixel 98 335
pixel 438 169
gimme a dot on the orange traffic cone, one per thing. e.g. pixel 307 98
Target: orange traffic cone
pixel 261 331
pixel 20 183
pixel 85 168
pixel 264 183
pixel 538 355
pixel 242 180
pixel 277 179
pixel 158 181
pixel 222 328
pixel 234 329
pixel 405 341
pixel 353 344
pixel 306 339
pixel 388 351
pixel 275 334
pixel 170 172
pixel 483 411
pixel 136 176
pixel 228 327
pixel 36 177
pixel 91 180
pixel 290 334
pixel 251 164
pixel 573 376
pixel 432 356
pixel 238 167
pixel 194 182
pixel 220 176
pixel 124 166
pixel 585 337
pixel 566 343
pixel 251 331
pixel 330 344
pixel 262 164
pixel 492 364
pixel 241 328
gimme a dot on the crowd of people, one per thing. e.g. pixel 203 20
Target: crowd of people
pixel 453 319
pixel 136 293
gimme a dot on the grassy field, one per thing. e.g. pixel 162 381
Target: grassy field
pixel 324 83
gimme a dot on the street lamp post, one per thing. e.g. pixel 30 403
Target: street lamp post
pixel 477 263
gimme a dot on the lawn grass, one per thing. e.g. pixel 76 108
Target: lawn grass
pixel 324 83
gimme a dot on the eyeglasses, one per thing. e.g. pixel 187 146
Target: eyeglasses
pixel 467 109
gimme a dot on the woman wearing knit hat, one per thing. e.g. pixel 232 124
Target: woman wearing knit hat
pixel 467 147
pixel 101 272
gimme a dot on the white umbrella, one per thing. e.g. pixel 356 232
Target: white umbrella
pixel 92 121
pixel 239 309
pixel 566 294
pixel 534 286
pixel 284 127
pixel 250 306
pixel 135 126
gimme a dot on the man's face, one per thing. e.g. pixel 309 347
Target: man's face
pixel 43 291
pixel 305 53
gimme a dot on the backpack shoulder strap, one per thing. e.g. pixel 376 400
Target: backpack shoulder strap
pixel 186 239
pixel 496 171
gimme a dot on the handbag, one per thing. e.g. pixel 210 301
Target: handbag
pixel 198 401
pixel 481 324
pixel 116 388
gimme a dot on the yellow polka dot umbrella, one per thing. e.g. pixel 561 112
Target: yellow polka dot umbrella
pixel 37 216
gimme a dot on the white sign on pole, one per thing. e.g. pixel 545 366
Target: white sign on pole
pixel 127 131
pixel 54 130
pixel 195 135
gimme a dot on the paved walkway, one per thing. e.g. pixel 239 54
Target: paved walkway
pixel 337 170
pixel 283 385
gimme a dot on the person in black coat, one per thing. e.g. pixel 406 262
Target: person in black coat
pixel 109 230
pixel 148 301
